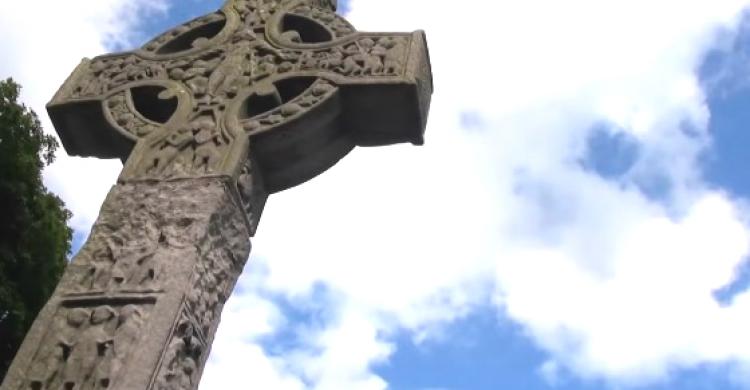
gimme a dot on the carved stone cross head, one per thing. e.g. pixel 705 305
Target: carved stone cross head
pixel 290 81
pixel 209 118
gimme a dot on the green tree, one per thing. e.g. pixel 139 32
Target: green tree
pixel 34 236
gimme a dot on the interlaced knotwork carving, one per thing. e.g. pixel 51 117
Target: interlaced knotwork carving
pixel 197 146
pixel 367 56
pixel 326 17
pixel 194 34
pixel 255 13
pixel 127 118
pixel 104 74
pixel 284 111
pixel 241 56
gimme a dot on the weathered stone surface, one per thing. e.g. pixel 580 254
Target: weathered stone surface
pixel 210 118
pixel 291 76
pixel 153 276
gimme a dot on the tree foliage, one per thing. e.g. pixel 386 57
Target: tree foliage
pixel 34 236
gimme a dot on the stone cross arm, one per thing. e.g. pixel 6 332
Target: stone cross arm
pixel 209 118
pixel 295 77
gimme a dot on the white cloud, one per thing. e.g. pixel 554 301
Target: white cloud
pixel 611 283
pixel 245 321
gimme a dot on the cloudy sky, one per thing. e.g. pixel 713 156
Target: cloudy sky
pixel 578 217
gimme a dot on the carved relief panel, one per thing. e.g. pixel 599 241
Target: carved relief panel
pixel 183 357
pixel 87 345
pixel 118 258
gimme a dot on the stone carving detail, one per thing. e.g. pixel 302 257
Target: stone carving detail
pixel 126 250
pixel 183 357
pixel 118 257
pixel 87 347
pixel 252 193
pixel 206 79
pixel 247 57
pixel 104 74
pixel 367 56
pixel 182 32
pixel 197 146
pixel 385 57
pixel 151 241
pixel 255 13
pixel 326 17
pixel 220 256
pixel 131 246
pixel 221 72
pixel 212 280
pixel 320 90
pixel 126 117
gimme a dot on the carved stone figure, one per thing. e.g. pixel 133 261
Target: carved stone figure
pixel 46 371
pixel 179 139
pixel 394 55
pixel 89 354
pixel 100 270
pixel 209 118
pixel 129 322
pixel 372 63
pixel 181 358
pixel 86 347
pixel 72 341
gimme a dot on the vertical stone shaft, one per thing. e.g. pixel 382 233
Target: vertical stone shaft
pixel 138 306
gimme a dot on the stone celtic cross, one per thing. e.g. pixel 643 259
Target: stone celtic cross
pixel 209 118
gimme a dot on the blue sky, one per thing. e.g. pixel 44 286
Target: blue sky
pixel 578 218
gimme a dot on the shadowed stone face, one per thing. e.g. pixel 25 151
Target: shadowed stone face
pixel 209 118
